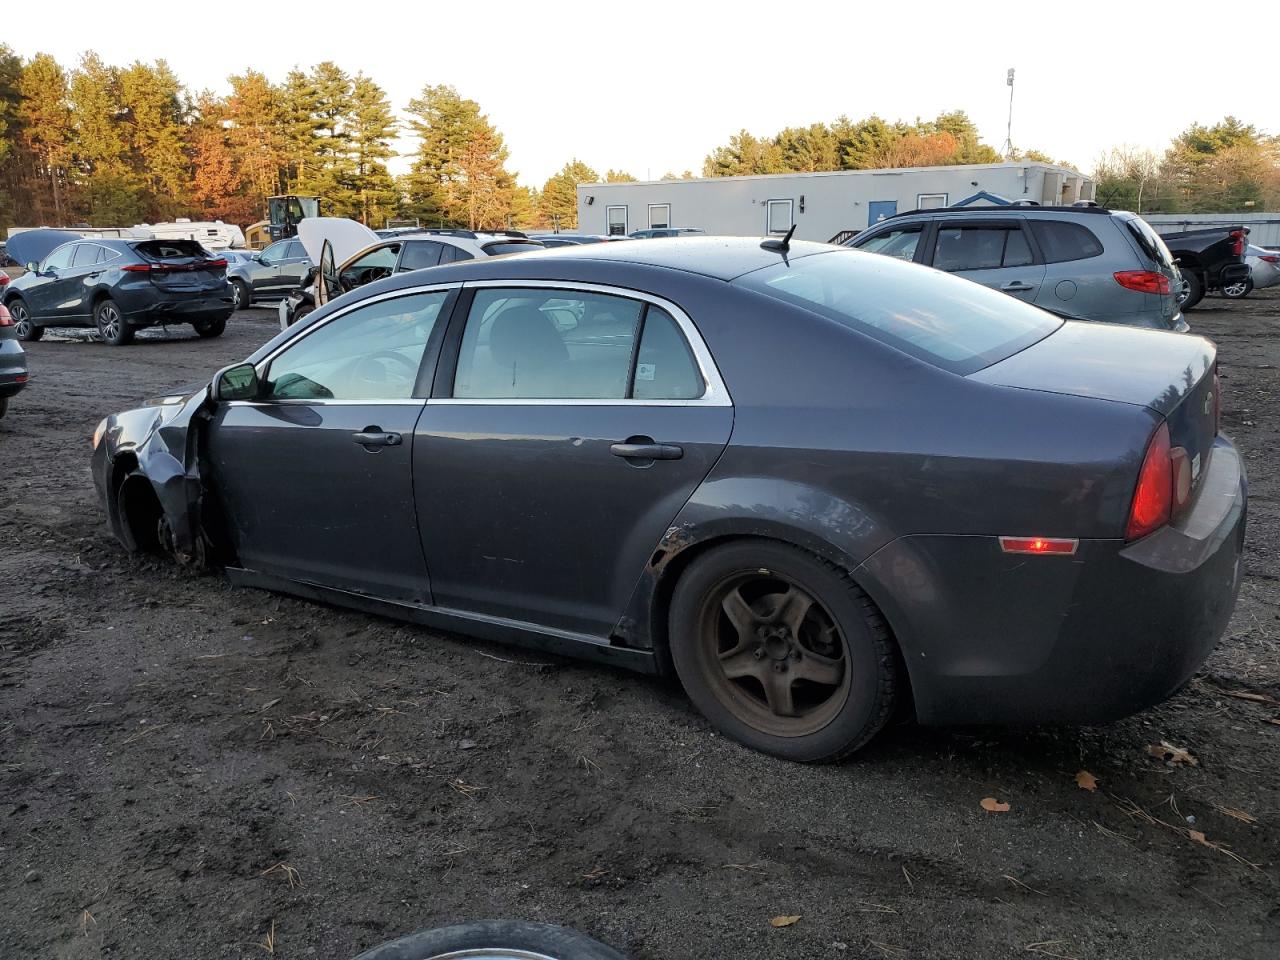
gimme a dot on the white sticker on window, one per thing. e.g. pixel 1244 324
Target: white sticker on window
pixel 645 371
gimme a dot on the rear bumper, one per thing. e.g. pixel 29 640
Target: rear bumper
pixel 176 307
pixel 13 368
pixel 995 638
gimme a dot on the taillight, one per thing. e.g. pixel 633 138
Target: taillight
pixel 5 319
pixel 1164 486
pixel 136 268
pixel 1144 281
pixel 1237 246
pixel 1217 401
pixel 1266 256
pixel 1059 546
pixel 214 263
pixel 4 278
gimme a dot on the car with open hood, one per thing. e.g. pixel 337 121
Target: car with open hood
pixel 817 485
pixel 350 255
pixel 115 285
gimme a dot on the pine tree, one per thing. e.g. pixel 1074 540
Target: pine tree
pixel 10 133
pixel 111 193
pixel 155 119
pixel 335 174
pixel 559 198
pixel 299 103
pixel 44 113
pixel 372 126
pixel 257 133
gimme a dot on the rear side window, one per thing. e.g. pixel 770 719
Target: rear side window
pixel 665 368
pixel 86 254
pixel 420 254
pixel 1061 241
pixel 944 320
pixel 980 248
pixel 900 243
pixel 452 254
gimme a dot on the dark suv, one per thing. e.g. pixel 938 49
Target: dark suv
pixel 1083 263
pixel 117 286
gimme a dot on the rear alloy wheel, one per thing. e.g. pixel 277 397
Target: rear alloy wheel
pixel 24 329
pixel 240 297
pixel 782 651
pixel 494 940
pixel 1192 291
pixel 111 325
pixel 210 328
pixel 1238 291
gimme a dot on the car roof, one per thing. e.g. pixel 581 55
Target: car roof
pixel 1008 210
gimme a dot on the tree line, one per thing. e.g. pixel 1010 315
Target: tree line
pixel 109 146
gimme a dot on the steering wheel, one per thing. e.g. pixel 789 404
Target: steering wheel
pixel 370 368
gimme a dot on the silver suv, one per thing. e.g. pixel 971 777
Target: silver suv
pixel 1083 263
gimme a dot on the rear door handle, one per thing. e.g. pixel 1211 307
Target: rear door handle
pixel 1017 286
pixel 647 451
pixel 373 437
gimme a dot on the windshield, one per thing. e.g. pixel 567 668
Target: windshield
pixel 947 321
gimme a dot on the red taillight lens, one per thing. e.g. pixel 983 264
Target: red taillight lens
pixel 1153 497
pixel 5 319
pixel 1267 257
pixel 1144 281
pixel 1237 246
pixel 215 263
pixel 1039 545
pixel 136 268
pixel 4 278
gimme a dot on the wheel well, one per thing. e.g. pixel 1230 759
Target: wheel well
pixel 98 296
pixel 660 607
pixel 139 507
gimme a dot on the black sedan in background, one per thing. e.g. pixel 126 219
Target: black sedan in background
pixel 116 286
pixel 816 483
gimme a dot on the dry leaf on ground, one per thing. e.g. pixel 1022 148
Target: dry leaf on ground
pixel 1237 814
pixel 992 805
pixel 784 921
pixel 1086 780
pixel 1166 751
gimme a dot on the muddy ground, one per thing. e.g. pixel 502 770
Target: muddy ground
pixel 188 769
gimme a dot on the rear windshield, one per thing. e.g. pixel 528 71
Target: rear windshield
pixel 947 321
pixel 170 249
pixel 510 246
pixel 1150 242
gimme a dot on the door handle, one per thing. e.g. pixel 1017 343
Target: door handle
pixel 647 451
pixel 1017 286
pixel 374 437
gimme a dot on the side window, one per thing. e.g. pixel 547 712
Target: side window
pixel 900 242
pixel 86 254
pixel 452 254
pixel 546 344
pixel 276 251
pixel 980 248
pixel 419 254
pixel 374 265
pixel 371 353
pixel 665 368
pixel 1062 241
pixel 60 258
pixel 295 250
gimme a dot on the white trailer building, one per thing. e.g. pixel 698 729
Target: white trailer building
pixel 821 205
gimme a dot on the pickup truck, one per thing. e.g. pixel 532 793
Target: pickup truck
pixel 1208 259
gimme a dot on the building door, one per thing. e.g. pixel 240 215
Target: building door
pixel 616 221
pixel 878 210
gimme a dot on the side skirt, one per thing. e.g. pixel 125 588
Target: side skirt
pixel 579 646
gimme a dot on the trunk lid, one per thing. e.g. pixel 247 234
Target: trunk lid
pixel 182 266
pixel 1172 374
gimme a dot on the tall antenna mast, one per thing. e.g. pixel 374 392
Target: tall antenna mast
pixel 1008 136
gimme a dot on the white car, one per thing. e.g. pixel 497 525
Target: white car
pixel 362 256
pixel 1264 271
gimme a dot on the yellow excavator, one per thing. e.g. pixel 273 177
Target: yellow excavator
pixel 283 214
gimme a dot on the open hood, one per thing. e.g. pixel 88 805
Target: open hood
pixel 347 237
pixel 32 246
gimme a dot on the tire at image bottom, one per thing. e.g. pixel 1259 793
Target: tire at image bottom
pixel 494 940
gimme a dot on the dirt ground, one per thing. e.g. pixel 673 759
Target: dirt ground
pixel 188 769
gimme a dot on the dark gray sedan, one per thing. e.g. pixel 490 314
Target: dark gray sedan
pixel 816 483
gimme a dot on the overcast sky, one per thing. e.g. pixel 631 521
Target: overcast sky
pixel 653 86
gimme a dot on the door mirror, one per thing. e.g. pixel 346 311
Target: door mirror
pixel 237 382
pixel 262 260
pixel 33 267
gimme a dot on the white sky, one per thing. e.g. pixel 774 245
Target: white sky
pixel 654 85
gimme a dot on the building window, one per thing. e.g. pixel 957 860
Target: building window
pixel 930 201
pixel 659 216
pixel 616 221
pixel 778 219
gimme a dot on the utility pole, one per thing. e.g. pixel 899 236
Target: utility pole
pixel 1008 137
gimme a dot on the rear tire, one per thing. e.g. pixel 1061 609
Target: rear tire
pixel 782 651
pixel 243 296
pixel 1238 291
pixel 21 315
pixel 112 328
pixel 210 328
pixel 301 312
pixel 1192 290
pixel 494 940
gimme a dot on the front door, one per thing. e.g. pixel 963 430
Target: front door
pixel 994 252
pixel 49 292
pixel 315 474
pixel 558 448
pixel 878 210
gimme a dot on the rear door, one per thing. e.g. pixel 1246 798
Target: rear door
pixel 77 281
pixel 266 267
pixel 568 426
pixel 997 253
pixel 293 267
pixel 317 471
